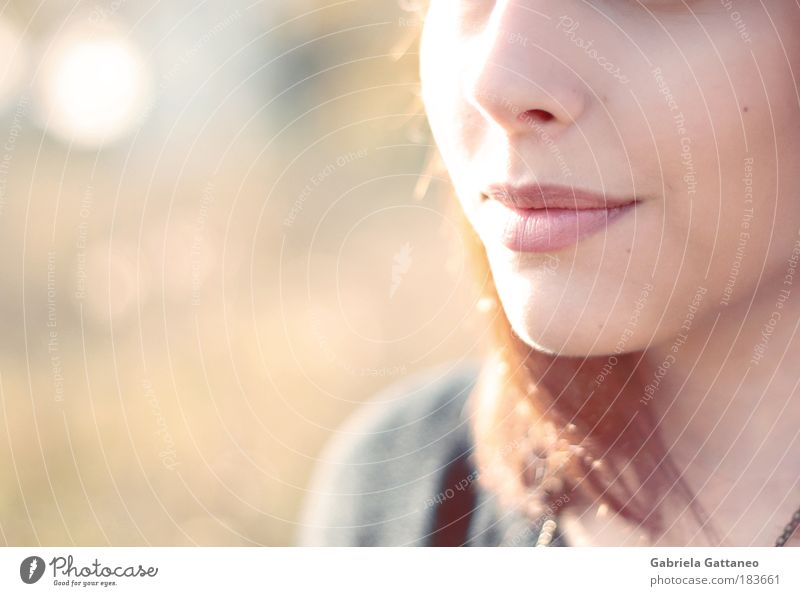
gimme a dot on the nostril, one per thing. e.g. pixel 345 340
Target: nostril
pixel 536 116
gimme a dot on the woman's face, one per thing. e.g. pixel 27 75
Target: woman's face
pixel 676 123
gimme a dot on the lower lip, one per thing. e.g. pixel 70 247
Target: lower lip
pixel 545 230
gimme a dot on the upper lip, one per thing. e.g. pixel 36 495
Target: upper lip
pixel 541 196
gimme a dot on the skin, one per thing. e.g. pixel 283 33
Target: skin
pixel 674 103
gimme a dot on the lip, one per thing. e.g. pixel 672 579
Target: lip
pixel 539 218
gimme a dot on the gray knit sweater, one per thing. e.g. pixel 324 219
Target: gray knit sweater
pixel 400 472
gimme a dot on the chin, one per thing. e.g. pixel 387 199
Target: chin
pixel 561 344
pixel 570 313
pixel 571 333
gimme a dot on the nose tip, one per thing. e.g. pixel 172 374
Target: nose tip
pixel 524 103
pixel 522 108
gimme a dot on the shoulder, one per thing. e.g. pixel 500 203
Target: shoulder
pixel 376 478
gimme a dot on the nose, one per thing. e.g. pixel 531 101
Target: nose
pixel 516 83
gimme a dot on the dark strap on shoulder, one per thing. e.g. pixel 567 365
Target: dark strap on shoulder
pixel 454 514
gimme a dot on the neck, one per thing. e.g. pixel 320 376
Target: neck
pixel 728 408
pixel 729 414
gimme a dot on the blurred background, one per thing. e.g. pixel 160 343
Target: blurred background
pixel 220 233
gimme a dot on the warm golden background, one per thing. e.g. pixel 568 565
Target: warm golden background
pixel 216 241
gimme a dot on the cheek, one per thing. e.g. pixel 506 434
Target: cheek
pixel 725 117
pixel 452 123
pixel 755 127
pixel 457 127
pixel 437 81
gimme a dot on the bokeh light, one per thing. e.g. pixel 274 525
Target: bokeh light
pixel 94 88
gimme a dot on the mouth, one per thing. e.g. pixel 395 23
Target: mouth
pixel 537 218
